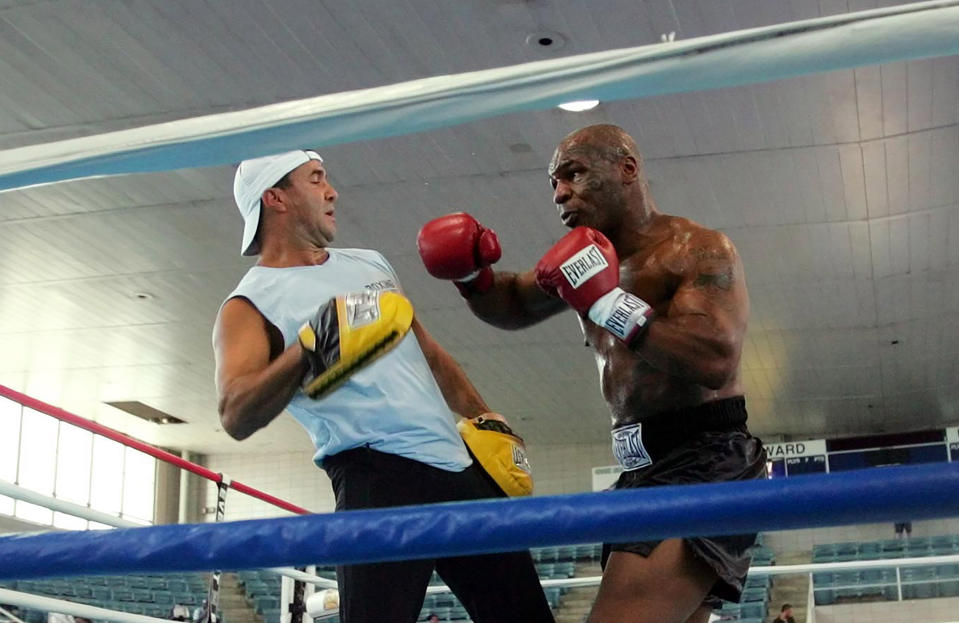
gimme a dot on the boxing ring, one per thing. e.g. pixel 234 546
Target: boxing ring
pixel 920 30
pixel 476 527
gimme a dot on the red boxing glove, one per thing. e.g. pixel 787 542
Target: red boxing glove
pixel 458 248
pixel 583 270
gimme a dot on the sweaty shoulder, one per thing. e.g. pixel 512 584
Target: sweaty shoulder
pixel 694 242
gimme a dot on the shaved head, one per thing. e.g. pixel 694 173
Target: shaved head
pixel 601 143
pixel 598 181
pixel 606 141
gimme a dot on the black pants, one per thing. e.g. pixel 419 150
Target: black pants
pixel 494 588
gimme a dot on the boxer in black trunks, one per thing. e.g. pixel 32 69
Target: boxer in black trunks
pixel 663 303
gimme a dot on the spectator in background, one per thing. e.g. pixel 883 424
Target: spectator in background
pixel 433 618
pixel 903 529
pixel 785 615
pixel 180 612
pixel 201 614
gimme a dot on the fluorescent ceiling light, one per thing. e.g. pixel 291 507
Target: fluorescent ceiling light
pixel 580 105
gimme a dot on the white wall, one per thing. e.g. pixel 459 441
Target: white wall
pixel 290 476
pixel 910 611
pixel 567 468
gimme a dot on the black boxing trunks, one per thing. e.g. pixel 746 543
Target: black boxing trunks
pixel 706 443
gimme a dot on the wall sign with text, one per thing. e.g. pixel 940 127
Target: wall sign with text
pixel 792 458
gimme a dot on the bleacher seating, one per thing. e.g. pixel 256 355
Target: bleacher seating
pixel 150 595
pixel 154 595
pixel 754 604
pixel 879 584
pixel 762 555
pixel 262 588
pixel 567 553
pixel 755 598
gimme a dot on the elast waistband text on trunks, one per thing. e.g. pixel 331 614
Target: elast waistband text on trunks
pixel 635 446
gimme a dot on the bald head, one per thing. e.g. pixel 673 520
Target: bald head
pixel 602 143
pixel 598 180
pixel 606 141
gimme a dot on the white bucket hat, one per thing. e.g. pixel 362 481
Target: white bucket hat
pixel 253 178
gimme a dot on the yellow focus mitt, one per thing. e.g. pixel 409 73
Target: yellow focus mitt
pixel 349 332
pixel 500 451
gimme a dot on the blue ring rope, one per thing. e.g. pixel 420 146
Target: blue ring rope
pixel 870 495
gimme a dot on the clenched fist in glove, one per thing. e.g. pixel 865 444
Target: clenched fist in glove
pixel 458 248
pixel 583 270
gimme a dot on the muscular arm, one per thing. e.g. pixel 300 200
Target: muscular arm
pixel 251 389
pixel 514 302
pixel 700 337
pixel 459 393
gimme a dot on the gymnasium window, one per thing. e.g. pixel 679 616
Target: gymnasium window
pixel 54 458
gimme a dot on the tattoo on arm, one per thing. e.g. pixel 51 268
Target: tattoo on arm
pixel 715 276
pixel 722 280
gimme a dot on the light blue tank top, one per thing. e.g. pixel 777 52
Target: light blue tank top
pixel 393 404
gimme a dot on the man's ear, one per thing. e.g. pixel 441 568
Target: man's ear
pixel 629 169
pixel 274 199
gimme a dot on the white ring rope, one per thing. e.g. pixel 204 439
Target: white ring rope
pixel 302 576
pixel 76 510
pixel 825 567
pixel 905 32
pixel 49 604
pixel 69 508
pixel 93 612
pixel 775 570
